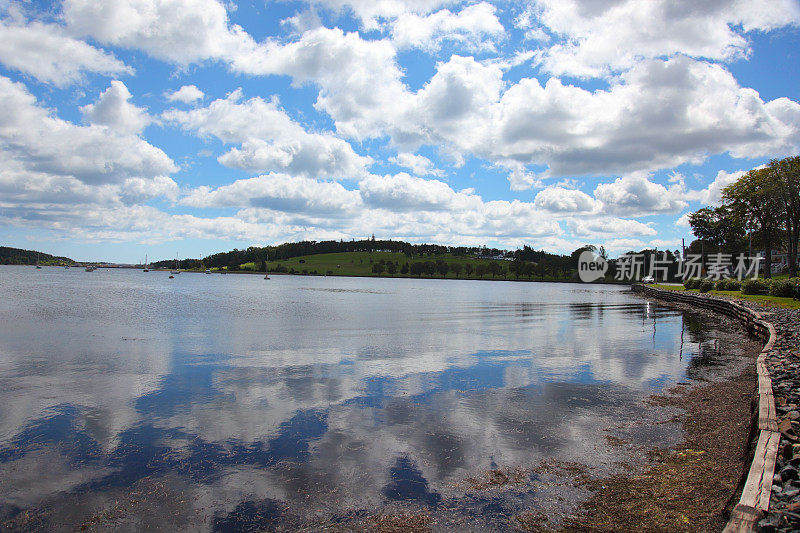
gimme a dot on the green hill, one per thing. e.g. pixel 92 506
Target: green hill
pixel 18 256
pixel 396 264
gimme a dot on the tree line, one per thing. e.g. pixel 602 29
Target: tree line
pixel 760 210
pixel 18 256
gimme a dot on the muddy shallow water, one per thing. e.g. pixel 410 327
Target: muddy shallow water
pixel 210 402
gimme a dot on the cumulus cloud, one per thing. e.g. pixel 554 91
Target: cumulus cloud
pixel 114 109
pixel 597 39
pixel 712 195
pixel 371 12
pixel 636 195
pixel 186 94
pixel 269 139
pixel 180 31
pixel 403 192
pixel 473 28
pixel 93 154
pixel 46 53
pixel 563 200
pixel 418 164
pixel 279 192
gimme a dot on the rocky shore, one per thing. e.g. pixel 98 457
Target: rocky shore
pixel 784 367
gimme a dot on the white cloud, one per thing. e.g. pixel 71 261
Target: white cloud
pixel 473 28
pixel 113 109
pixel 32 137
pixel 371 12
pixel 636 195
pixel 563 200
pixel 659 114
pixel 270 140
pixel 418 164
pixel 44 52
pixel 402 192
pixel 683 221
pixel 712 195
pixel 179 31
pixel 186 94
pixel 602 38
pixel 279 192
pixel 364 102
pixel 604 227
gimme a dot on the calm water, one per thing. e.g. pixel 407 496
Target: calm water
pixel 230 402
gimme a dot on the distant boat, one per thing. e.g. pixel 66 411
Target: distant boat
pixel 37 261
pixel 177 269
pixel 146 267
pixel 266 270
pixel 90 268
pixel 208 271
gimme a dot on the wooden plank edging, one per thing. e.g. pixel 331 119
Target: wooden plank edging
pixel 754 501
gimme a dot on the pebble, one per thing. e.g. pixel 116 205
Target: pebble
pixel 783 363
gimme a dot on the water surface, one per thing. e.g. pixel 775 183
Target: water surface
pixel 211 402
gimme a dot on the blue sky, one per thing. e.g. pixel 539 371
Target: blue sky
pixel 140 127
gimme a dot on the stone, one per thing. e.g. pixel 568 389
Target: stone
pixel 788 472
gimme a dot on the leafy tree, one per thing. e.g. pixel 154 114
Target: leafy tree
pixel 417 269
pixel 468 269
pixel 456 269
pixel 404 269
pixel 754 198
pixel 494 268
pixel 786 175
pixel 442 267
pixel 481 269
pixel 377 268
pixel 430 268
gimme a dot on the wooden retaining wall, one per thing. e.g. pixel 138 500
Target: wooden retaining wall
pixel 758 486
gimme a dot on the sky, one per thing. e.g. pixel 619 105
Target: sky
pixel 189 127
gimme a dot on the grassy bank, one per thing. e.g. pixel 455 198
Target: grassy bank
pixel 764 299
pixel 363 264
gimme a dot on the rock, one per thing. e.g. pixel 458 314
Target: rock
pixel 787 452
pixel 788 472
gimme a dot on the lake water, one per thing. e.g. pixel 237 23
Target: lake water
pixel 129 400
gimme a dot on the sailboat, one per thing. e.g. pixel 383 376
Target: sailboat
pixel 37 261
pixel 266 270
pixel 177 269
pixel 146 267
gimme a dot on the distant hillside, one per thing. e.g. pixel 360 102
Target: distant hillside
pixel 372 257
pixel 18 256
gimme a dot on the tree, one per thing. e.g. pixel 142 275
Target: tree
pixel 391 268
pixel 456 269
pixel 442 267
pixel 430 268
pixel 417 269
pixel 468 269
pixel 494 268
pixel 404 269
pixel 754 199
pixel 377 268
pixel 480 270
pixel 786 174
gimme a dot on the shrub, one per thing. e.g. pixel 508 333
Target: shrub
pixel 734 284
pixel 783 287
pixel 706 285
pixel 755 286
pixel 691 283
pixel 728 284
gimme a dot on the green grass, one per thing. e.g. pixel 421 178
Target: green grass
pixel 360 264
pixel 764 299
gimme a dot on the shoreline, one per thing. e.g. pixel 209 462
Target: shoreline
pixel 753 510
